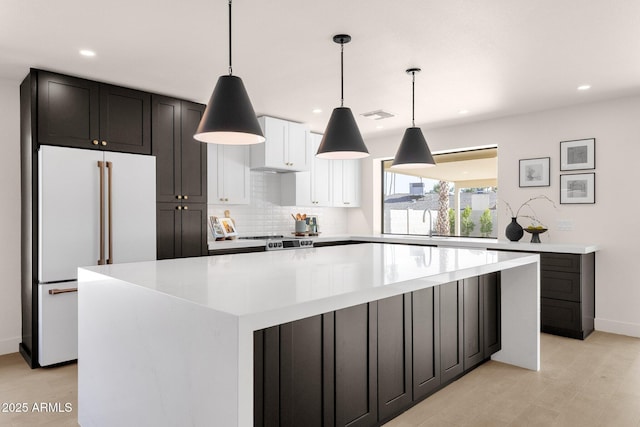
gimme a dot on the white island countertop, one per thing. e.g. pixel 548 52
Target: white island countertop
pixel 171 342
pixel 460 242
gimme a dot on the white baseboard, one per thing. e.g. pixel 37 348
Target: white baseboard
pixel 9 346
pixel 616 327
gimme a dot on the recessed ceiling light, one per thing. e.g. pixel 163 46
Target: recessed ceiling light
pixel 584 87
pixel 463 111
pixel 87 52
pixel 317 110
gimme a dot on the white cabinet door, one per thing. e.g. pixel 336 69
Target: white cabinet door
pixel 346 183
pixel 58 326
pixel 69 211
pixel 133 207
pixel 320 175
pixel 286 148
pixel 298 152
pixel 228 174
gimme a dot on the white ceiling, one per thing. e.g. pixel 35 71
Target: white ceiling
pixel 491 57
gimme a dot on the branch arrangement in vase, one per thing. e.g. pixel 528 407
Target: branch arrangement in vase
pixel 533 217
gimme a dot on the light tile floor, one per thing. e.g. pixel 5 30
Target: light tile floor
pixel 595 382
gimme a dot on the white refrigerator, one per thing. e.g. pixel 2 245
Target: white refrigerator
pixel 94 207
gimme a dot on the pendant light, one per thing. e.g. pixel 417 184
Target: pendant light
pixel 342 139
pixel 229 117
pixel 413 151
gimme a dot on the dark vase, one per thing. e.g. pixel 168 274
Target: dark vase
pixel 514 231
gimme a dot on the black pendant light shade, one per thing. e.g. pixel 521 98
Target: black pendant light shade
pixel 342 138
pixel 413 151
pixel 229 117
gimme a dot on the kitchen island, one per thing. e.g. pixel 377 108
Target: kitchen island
pixel 172 342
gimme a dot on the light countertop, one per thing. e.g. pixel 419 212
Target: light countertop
pixel 329 277
pixel 462 242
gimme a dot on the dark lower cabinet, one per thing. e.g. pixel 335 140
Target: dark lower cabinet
pixel 395 392
pixel 355 332
pixel 451 331
pixel 491 313
pixel 425 319
pixel 473 322
pixel 181 230
pixel 567 290
pixel 363 365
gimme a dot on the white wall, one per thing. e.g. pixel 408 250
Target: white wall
pixel 611 222
pixel 10 323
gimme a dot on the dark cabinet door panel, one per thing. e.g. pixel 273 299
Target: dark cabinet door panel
pixel 166 147
pixel 193 155
pixel 426 341
pixel 125 119
pixel 301 375
pixel 266 377
pixel 394 355
pixel 560 314
pixel 68 111
pixel 473 323
pixel 492 318
pixel 560 285
pixel 168 225
pixel 451 331
pixel 560 262
pixel 194 229
pixel 356 366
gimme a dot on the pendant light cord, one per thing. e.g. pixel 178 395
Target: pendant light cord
pixel 413 99
pixel 342 74
pixel 230 67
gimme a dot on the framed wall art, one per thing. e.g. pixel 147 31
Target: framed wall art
pixel 578 188
pixel 534 172
pixel 578 154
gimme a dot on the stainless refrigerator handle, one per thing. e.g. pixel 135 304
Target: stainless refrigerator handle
pixel 62 291
pixel 110 215
pixel 101 166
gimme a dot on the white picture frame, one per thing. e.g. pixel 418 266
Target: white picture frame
pixel 578 188
pixel 228 227
pixel 579 154
pixel 535 172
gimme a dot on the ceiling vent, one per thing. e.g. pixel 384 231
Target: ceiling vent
pixel 378 115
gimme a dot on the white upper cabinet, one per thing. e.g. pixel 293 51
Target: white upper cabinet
pixel 286 148
pixel 346 183
pixel 228 174
pixel 311 188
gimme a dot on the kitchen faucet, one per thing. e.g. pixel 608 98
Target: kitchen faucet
pixel 424 214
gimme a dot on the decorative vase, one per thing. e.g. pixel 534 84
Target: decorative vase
pixel 514 231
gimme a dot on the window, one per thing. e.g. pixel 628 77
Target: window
pixel 456 198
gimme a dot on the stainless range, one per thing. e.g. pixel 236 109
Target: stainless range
pixel 275 243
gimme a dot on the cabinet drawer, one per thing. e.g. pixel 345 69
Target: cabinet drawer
pixel 560 314
pixel 560 262
pixel 560 285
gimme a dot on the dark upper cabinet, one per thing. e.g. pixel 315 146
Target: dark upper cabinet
pixel 395 391
pixel 181 160
pixel 81 113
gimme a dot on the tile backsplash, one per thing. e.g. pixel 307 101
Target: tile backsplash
pixel 264 215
